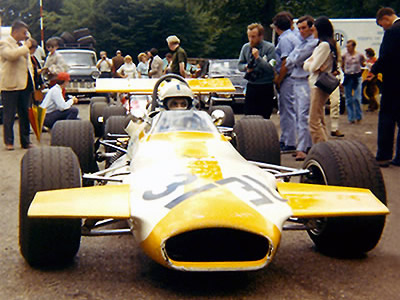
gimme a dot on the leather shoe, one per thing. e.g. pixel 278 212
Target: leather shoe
pixel 337 133
pixel 300 156
pixel 29 146
pixel 383 163
pixel 9 147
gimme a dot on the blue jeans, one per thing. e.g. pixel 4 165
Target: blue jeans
pixel 287 112
pixel 302 105
pixel 68 114
pixel 386 128
pixel 353 101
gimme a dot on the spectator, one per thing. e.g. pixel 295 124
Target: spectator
pixel 352 61
pixel 370 87
pixel 40 55
pixel 167 62
pixel 323 59
pixel 256 59
pixel 143 66
pixel 156 67
pixel 54 62
pixel 117 62
pixel 104 65
pixel 388 64
pixel 36 70
pixel 56 106
pixel 335 103
pixel 301 88
pixel 16 84
pixel 287 41
pixel 128 69
pixel 179 56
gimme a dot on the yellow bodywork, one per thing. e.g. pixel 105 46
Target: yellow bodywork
pixel 145 86
pixel 108 201
pixel 312 200
pixel 211 209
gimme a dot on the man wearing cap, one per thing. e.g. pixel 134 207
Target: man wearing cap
pixel 179 57
pixel 16 83
pixel 56 106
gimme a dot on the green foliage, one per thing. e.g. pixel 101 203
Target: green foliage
pixel 207 28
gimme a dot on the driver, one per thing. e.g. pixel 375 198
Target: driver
pixel 175 95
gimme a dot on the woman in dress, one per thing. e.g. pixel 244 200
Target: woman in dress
pixel 128 69
pixel 143 66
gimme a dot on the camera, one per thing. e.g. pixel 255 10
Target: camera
pixel 255 74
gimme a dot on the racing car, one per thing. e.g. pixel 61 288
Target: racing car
pixel 196 197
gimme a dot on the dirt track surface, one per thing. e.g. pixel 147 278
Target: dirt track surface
pixel 115 268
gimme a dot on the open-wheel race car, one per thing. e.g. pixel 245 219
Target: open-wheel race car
pixel 195 196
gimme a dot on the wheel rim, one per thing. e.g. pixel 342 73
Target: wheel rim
pixel 316 176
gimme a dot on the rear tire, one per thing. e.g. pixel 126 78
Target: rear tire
pixel 48 242
pixel 345 163
pixel 229 115
pixel 96 111
pixel 79 135
pixel 116 125
pixel 113 111
pixel 256 139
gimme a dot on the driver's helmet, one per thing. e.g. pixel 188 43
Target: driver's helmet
pixel 175 95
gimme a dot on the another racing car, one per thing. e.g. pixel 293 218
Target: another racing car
pixel 194 198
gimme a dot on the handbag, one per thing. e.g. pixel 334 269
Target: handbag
pixel 38 95
pixel 326 81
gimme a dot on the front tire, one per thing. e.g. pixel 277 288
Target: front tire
pixel 48 242
pixel 345 163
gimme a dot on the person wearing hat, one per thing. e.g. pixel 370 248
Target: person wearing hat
pixel 179 57
pixel 56 106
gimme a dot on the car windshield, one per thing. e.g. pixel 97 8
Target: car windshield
pixel 79 58
pixel 184 120
pixel 224 68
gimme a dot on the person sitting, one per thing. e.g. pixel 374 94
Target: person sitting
pixel 56 106
pixel 175 96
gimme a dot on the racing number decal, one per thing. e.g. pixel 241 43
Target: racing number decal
pixel 264 196
pixel 189 178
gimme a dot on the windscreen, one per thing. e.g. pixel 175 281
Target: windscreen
pixel 224 68
pixel 184 120
pixel 79 58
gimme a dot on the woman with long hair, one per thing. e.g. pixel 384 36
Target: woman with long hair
pixel 323 59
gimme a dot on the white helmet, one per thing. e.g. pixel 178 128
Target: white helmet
pixel 173 92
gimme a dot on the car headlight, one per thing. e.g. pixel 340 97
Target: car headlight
pixel 95 74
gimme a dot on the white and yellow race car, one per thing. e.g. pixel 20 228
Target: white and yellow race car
pixel 194 198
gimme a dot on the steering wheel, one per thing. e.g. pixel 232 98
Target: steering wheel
pixel 167 77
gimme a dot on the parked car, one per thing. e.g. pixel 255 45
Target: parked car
pixel 227 68
pixel 83 71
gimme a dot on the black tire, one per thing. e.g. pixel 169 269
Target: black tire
pixel 50 242
pixel 116 125
pixel 86 40
pixel 98 99
pixel 96 111
pixel 252 117
pixel 68 37
pixel 81 32
pixel 113 111
pixel 345 163
pixel 256 139
pixel 79 135
pixel 229 115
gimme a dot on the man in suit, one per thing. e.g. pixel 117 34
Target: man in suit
pixel 388 64
pixel 16 83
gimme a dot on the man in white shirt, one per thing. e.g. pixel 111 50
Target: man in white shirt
pixel 104 65
pixel 56 106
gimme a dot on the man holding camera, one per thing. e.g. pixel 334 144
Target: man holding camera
pixel 257 59
pixel 104 65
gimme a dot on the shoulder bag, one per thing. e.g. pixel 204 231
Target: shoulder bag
pixel 326 81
